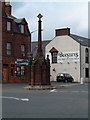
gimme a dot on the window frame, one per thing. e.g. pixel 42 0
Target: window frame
pixel 86 55
pixel 23 71
pixel 22 28
pixel 86 72
pixel 8 26
pixel 20 70
pixel 9 49
pixel 54 56
pixel 23 51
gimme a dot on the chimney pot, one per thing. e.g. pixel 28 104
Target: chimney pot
pixel 63 31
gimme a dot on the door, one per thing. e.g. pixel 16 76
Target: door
pixel 12 74
pixel 5 74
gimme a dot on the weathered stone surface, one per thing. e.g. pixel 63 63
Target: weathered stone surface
pixel 40 68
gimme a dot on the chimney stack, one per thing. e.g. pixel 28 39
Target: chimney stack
pixel 63 31
pixel 3 9
pixel 8 8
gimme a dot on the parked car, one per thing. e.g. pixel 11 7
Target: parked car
pixel 64 77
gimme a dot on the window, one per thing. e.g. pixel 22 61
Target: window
pixel 54 53
pixel 8 48
pixel 8 26
pixel 22 28
pixel 22 70
pixel 87 72
pixel 18 69
pixel 54 57
pixel 86 55
pixel 23 50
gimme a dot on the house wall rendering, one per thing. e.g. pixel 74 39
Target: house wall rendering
pixel 70 56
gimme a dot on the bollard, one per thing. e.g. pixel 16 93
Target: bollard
pixel 82 81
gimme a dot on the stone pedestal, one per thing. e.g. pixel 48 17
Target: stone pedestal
pixel 40 72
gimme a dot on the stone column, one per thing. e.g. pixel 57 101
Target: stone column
pixel 39 33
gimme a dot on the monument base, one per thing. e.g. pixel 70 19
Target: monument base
pixel 42 87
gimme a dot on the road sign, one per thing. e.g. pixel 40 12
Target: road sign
pixel 22 62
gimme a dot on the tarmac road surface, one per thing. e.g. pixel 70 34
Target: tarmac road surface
pixel 64 102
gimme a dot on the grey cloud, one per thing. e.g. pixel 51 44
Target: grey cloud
pixel 55 15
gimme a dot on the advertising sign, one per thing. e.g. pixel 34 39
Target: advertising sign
pixel 22 62
pixel 68 56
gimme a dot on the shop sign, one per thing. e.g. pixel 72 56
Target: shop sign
pixel 68 56
pixel 22 62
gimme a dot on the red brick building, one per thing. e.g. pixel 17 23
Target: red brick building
pixel 15 38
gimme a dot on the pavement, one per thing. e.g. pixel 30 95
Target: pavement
pixel 67 100
pixel 54 85
pixel 61 84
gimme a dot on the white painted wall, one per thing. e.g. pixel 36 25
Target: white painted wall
pixel 64 44
pixel 83 64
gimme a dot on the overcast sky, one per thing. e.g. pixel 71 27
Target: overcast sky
pixel 56 15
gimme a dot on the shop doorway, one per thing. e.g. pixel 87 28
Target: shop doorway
pixel 12 78
pixel 5 74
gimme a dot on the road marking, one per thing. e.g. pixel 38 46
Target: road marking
pixel 54 90
pixel 19 99
pixel 25 99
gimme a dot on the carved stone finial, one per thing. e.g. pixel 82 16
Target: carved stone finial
pixel 40 16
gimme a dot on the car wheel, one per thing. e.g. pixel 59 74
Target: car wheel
pixel 57 80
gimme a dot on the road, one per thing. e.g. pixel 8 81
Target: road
pixel 64 102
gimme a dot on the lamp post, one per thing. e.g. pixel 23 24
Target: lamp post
pixel 80 59
pixel 30 55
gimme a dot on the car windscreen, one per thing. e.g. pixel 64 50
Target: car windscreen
pixel 67 75
pixel 60 75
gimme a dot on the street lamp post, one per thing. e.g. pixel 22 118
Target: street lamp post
pixel 29 58
pixel 80 60
pixel 30 55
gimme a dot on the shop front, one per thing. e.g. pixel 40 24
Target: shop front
pixel 15 72
pixel 21 70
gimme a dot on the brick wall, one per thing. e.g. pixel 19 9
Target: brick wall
pixel 16 39
pixel 8 9
pixel 64 31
